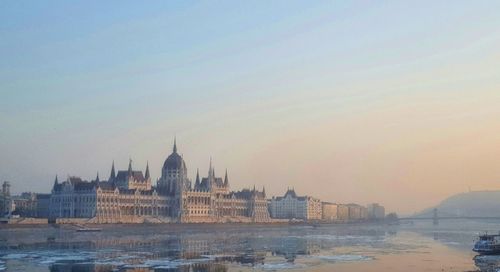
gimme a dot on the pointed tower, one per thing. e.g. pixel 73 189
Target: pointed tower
pixel 226 180
pixel 112 176
pixel 147 175
pixel 197 182
pixel 56 181
pixel 6 189
pixel 210 168
pixel 210 178
pixel 97 177
pixel 175 145
pixel 130 167
pixel 264 191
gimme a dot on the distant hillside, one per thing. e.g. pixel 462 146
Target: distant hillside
pixel 479 203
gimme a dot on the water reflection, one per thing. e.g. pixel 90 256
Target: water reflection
pixel 209 267
pixel 185 250
pixel 487 263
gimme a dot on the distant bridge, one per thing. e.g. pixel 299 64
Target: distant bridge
pixel 447 216
pixel 451 218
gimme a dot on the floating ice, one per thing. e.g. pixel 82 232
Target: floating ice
pixel 15 256
pixel 343 258
pixel 163 263
pixel 279 266
pixel 168 263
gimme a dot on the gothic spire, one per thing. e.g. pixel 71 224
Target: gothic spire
pixel 226 181
pixel 112 175
pixel 56 181
pixel 97 177
pixel 197 183
pixel 264 191
pixel 146 175
pixel 210 178
pixel 210 167
pixel 130 166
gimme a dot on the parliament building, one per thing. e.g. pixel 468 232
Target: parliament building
pixel 128 196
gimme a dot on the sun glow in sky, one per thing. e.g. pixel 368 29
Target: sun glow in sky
pixel 389 102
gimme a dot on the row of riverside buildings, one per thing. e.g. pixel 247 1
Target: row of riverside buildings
pixel 291 206
pixel 128 196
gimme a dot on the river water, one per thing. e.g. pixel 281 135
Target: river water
pixel 420 246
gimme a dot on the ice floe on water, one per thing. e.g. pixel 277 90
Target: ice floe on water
pixel 50 257
pixel 167 263
pixel 343 258
pixel 64 258
pixel 280 266
pixel 125 260
pixel 15 256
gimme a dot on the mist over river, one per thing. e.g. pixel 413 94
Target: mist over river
pixel 413 246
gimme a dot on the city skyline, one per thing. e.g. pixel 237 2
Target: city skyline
pixel 350 102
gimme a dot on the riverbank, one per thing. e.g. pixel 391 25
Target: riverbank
pixel 45 224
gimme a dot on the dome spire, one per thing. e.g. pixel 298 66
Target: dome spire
pixel 175 144
pixel 97 177
pixel 56 181
pixel 130 166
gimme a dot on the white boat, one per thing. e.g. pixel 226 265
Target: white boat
pixel 488 244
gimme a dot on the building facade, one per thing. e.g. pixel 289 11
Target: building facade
pixel 376 211
pixel 357 212
pixel 6 203
pixel 26 204
pixel 342 212
pixel 42 205
pixel 291 206
pixel 329 212
pixel 129 196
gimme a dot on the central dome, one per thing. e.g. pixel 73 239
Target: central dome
pixel 174 161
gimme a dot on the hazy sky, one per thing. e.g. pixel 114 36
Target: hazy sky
pixel 394 102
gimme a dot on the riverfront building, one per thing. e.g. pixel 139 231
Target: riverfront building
pixel 329 212
pixel 291 206
pixel 6 203
pixel 129 196
pixel 351 212
pixel 357 212
pixel 376 211
pixel 342 212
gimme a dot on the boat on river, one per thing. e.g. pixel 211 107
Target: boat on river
pixel 488 244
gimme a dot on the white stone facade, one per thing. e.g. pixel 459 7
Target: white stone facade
pixel 291 206
pixel 376 211
pixel 129 197
pixel 330 212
